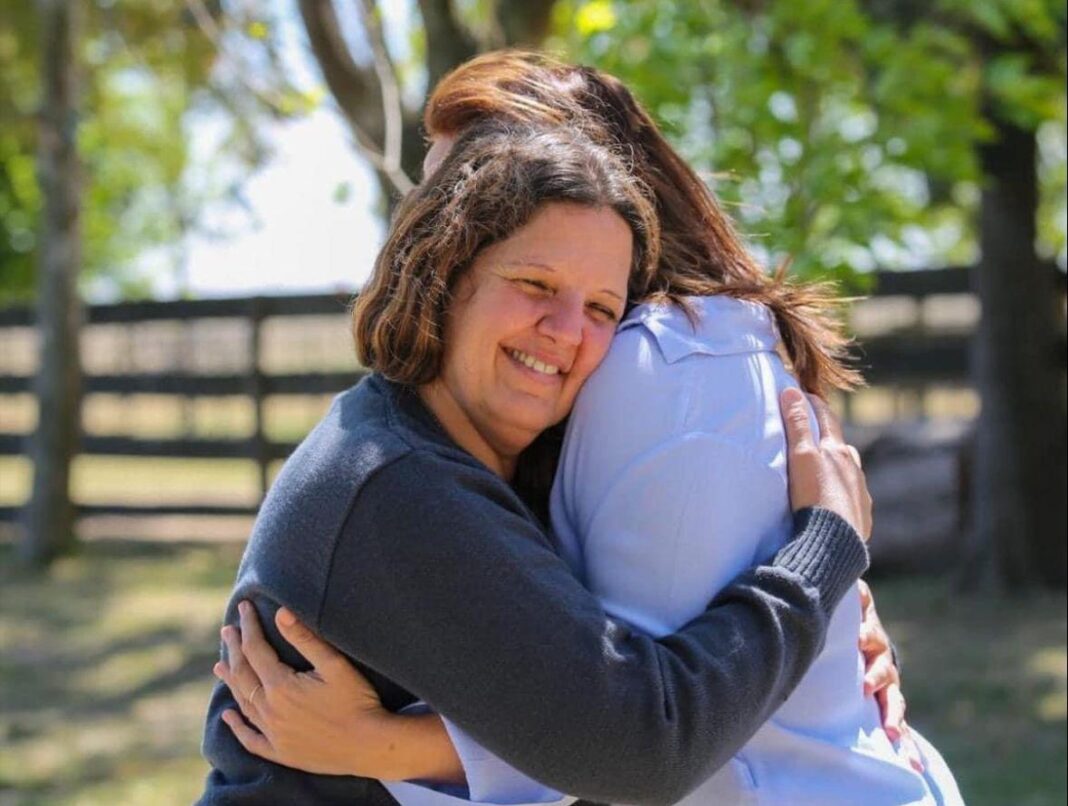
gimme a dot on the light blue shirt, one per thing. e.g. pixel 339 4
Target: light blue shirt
pixel 671 482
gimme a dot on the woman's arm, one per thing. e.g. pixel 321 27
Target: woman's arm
pixel 326 720
pixel 523 640
pixel 330 720
pixel 307 729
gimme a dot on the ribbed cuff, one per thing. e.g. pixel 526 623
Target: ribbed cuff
pixel 826 551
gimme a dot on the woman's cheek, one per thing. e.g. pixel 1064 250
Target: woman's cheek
pixel 595 346
pixel 605 332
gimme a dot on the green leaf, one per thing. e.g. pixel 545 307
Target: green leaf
pixel 595 16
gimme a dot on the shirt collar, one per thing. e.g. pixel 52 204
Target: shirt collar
pixel 722 326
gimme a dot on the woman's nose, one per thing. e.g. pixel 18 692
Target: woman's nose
pixel 563 321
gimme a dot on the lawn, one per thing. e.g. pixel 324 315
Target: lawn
pixel 105 671
pixel 105 668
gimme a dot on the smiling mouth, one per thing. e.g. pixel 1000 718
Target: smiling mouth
pixel 531 362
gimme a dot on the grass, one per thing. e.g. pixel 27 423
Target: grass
pixel 985 681
pixel 105 673
pixel 164 416
pixel 157 480
pixel 148 480
pixel 105 670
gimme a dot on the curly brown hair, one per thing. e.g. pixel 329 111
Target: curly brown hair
pixel 493 181
pixel 701 253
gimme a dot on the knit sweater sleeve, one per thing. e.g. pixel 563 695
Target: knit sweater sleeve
pixel 443 583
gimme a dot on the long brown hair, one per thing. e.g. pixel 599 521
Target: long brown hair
pixel 493 181
pixel 700 251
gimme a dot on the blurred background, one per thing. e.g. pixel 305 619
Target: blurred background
pixel 192 190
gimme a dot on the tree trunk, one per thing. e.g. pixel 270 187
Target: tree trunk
pixel 50 518
pixel 525 23
pixel 1018 496
pixel 447 42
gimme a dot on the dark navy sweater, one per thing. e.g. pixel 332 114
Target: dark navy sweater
pixel 432 575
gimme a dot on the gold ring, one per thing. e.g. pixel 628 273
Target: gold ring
pixel 252 695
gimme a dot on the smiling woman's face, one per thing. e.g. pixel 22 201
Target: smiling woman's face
pixel 531 319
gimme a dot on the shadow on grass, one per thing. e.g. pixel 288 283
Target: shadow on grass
pixel 105 671
pixel 985 680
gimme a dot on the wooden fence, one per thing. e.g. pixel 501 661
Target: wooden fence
pixel 911 357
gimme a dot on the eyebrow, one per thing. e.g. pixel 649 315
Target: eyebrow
pixel 519 264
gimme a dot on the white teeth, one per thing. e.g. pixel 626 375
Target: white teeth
pixel 533 363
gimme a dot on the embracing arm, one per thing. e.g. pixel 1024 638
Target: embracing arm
pixel 522 639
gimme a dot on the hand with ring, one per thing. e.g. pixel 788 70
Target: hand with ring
pixel 328 720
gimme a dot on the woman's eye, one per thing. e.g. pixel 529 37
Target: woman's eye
pixel 604 313
pixel 536 285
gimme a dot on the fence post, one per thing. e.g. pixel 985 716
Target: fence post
pixel 256 388
pixel 922 331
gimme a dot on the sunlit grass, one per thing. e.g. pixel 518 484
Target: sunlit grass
pixel 985 681
pixel 105 674
pixel 148 480
pixel 146 416
pixel 152 480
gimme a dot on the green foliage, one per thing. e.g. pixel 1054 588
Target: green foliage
pixel 842 138
pixel 19 197
pixel 149 69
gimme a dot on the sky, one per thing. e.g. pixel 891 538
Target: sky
pixel 300 238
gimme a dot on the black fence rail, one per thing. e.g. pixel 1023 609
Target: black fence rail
pixel 911 357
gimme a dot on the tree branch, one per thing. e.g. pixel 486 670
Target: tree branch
pixel 357 90
pixel 214 34
pixel 392 110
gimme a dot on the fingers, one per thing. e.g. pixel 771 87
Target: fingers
pixel 260 654
pixel 910 748
pixel 830 428
pixel 247 691
pixel 252 740
pixel 874 641
pixel 892 708
pixel 880 672
pixel 321 655
pixel 892 705
pixel 866 602
pixel 795 418
pixel 242 678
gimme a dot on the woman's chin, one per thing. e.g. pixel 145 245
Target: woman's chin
pixel 516 432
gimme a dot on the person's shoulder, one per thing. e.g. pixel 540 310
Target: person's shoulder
pixel 449 479
pixel 635 367
pixel 675 373
pixel 428 504
pixel 378 442
pixel 634 349
pixel 628 401
pixel 709 326
pixel 357 435
pixel 374 424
